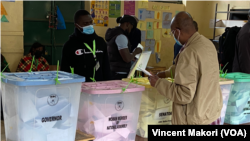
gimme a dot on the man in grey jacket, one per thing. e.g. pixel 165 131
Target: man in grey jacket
pixel 242 49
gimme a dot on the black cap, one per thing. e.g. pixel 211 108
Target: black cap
pixel 130 19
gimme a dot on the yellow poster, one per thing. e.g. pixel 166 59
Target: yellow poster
pixel 157 34
pixel 157 25
pixel 167 7
pixel 99 12
pixel 154 7
pixel 166 33
pixel 158 46
pixel 158 15
pixel 143 4
pixel 141 25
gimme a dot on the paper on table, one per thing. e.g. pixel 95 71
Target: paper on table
pixel 158 15
pixel 158 46
pixel 166 33
pixel 150 34
pixel 149 25
pixel 157 34
pixel 142 14
pixel 143 36
pixel 157 25
pixel 141 25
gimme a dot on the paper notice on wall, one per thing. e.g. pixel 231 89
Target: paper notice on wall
pixel 143 36
pixel 100 12
pixel 157 34
pixel 142 14
pixel 154 7
pixel 143 4
pixel 150 45
pixel 158 46
pixel 157 25
pixel 150 34
pixel 157 15
pixel 141 25
pixel 166 33
pixel 150 14
pixel 166 20
pixel 149 25
pixel 129 7
pixel 114 9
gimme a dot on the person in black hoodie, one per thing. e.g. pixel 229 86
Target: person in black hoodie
pixel 119 47
pixel 85 51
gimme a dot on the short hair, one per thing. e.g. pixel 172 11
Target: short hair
pixel 195 25
pixel 36 45
pixel 80 13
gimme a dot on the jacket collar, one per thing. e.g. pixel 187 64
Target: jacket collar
pixel 192 39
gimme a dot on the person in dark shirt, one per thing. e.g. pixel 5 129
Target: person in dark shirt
pixel 178 47
pixel 119 47
pixel 85 51
pixel 242 49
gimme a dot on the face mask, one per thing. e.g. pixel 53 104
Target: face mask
pixel 38 54
pixel 177 41
pixel 88 29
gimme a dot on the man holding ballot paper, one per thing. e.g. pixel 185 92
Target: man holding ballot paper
pixel 195 92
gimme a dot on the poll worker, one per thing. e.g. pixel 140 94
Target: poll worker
pixel 119 47
pixel 195 92
pixel 177 46
pixel 39 63
pixel 85 51
pixel 242 49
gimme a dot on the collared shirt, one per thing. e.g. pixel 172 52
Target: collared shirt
pixel 39 64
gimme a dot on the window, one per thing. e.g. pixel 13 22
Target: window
pixel 164 1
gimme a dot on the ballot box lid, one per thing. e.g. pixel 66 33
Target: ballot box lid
pixel 41 78
pixel 238 77
pixel 111 87
pixel 142 81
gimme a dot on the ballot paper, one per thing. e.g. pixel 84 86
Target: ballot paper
pixel 146 72
pixel 142 63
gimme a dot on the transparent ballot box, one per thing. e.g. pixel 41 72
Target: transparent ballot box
pixel 108 113
pixel 155 108
pixel 238 106
pixel 36 109
pixel 225 85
